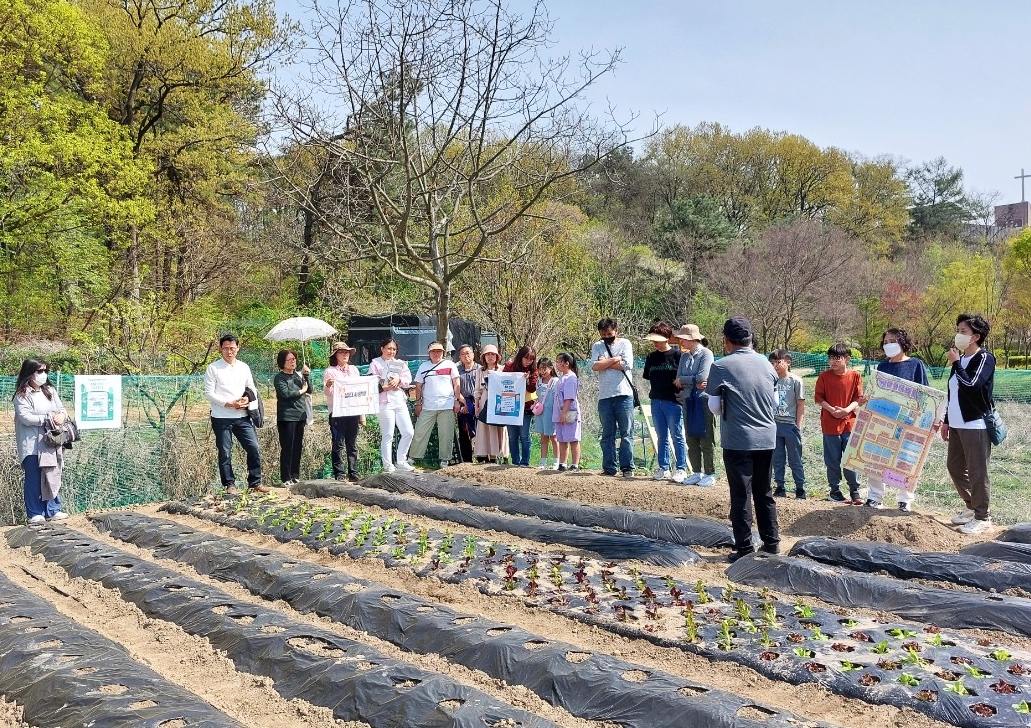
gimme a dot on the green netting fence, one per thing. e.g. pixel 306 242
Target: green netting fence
pixel 166 449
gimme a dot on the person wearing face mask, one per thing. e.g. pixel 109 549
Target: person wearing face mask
pixel 896 345
pixel 37 408
pixel 612 358
pixel 969 401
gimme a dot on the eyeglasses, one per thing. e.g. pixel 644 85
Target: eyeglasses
pixel 839 356
pixel 41 371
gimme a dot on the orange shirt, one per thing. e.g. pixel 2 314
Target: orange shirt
pixel 840 390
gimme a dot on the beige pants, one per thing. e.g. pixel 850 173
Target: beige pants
pixel 444 421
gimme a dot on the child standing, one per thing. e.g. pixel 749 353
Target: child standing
pixel 543 423
pixel 789 412
pixel 566 412
pixel 838 391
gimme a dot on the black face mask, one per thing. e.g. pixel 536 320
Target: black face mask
pixel 609 339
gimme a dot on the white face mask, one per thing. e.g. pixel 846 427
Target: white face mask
pixel 962 341
pixel 40 378
pixel 892 350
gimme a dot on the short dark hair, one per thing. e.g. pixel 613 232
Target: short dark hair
pixel 388 341
pixel 545 363
pixel 780 355
pixel 283 354
pixel 607 323
pixel 839 350
pixel 661 328
pixel 901 337
pixel 977 324
pixel 228 337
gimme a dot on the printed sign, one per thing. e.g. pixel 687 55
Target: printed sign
pixel 506 395
pixel 355 396
pixel 893 431
pixel 98 402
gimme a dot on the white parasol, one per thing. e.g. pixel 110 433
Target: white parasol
pixel 300 328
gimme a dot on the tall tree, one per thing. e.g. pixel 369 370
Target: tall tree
pixel 940 204
pixel 454 127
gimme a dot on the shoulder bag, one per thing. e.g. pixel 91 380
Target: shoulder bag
pixel 637 397
pixel 996 427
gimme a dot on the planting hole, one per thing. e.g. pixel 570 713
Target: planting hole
pixel 175 587
pixel 463 620
pixel 692 690
pixel 272 629
pixel 173 723
pixel 578 657
pixel 535 644
pixel 635 676
pixel 19 619
pixel 425 608
pixel 243 618
pixel 50 644
pixel 141 704
pixel 391 597
pixel 363 665
pixel 353 588
pixel 867 680
pixel 85 670
pixel 754 712
pixel 983 709
pixel 121 568
pixel 113 689
pixel 451 704
pixel 31 630
pixel 222 608
pixel 405 683
pixel 290 564
pixel 65 659
pixel 498 631
pixel 928 696
pixel 316 646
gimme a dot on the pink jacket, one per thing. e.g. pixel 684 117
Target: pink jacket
pixel 377 367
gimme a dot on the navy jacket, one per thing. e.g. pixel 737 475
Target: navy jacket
pixel 976 382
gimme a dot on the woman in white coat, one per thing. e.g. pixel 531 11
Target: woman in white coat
pixel 37 409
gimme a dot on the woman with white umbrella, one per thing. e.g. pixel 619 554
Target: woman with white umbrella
pixel 394 380
pixel 291 414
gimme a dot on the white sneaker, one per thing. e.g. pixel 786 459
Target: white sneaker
pixel 707 481
pixel 37 520
pixel 405 467
pixel 975 526
pixel 59 516
pixel 660 474
pixel 444 464
pixel 693 479
pixel 542 466
pixel 389 469
pixel 679 476
pixel 554 465
pixel 963 517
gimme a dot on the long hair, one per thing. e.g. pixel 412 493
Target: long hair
pixel 517 360
pixel 570 360
pixel 29 367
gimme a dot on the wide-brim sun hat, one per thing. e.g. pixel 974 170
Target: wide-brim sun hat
pixel 655 337
pixel 341 346
pixel 689 331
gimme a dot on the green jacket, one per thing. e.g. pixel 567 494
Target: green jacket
pixel 290 402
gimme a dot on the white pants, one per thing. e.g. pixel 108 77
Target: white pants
pixel 876 492
pixel 390 415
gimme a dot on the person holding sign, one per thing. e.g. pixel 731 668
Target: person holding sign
pixel 491 442
pixel 394 381
pixel 438 397
pixel 343 429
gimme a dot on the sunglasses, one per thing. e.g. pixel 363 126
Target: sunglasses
pixel 41 371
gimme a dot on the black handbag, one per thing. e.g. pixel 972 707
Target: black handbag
pixel 637 397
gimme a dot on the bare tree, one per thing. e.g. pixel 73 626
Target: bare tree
pixel 447 126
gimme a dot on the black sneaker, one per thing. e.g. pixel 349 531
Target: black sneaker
pixel 780 493
pixel 800 494
pixel 562 468
pixel 628 473
pixel 739 555
pixel 836 496
pixel 904 507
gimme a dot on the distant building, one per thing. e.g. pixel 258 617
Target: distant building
pixel 1014 215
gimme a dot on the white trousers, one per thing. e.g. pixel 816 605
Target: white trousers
pixel 391 415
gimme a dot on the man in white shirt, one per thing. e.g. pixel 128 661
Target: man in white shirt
pixel 438 397
pixel 224 383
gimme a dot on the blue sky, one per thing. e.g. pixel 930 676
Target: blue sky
pixel 914 79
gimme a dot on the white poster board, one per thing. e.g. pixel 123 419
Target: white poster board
pixel 506 395
pixel 98 402
pixel 355 396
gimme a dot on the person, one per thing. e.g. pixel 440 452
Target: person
pixel 524 361
pixel 896 345
pixel 692 378
pixel 467 369
pixel 491 440
pixel 741 386
pixel 226 381
pixel 565 412
pixel 789 413
pixel 37 409
pixel 291 413
pixel 394 381
pixel 660 368
pixel 837 394
pixel 344 430
pixel 438 397
pixel 544 423
pixel 612 358
pixel 971 385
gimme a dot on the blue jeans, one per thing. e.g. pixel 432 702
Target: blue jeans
pixel 617 417
pixel 669 420
pixel 519 440
pixel 224 429
pixel 833 448
pixel 34 503
pixel 789 447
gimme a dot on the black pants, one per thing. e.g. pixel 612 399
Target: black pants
pixel 749 473
pixel 345 433
pixel 291 440
pixel 466 430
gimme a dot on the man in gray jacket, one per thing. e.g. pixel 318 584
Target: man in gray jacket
pixel 741 387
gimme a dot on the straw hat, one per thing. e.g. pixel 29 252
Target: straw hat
pixel 654 337
pixel 341 346
pixel 689 331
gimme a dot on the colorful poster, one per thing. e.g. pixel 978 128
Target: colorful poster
pixel 893 431
pixel 506 395
pixel 98 402
pixel 355 396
